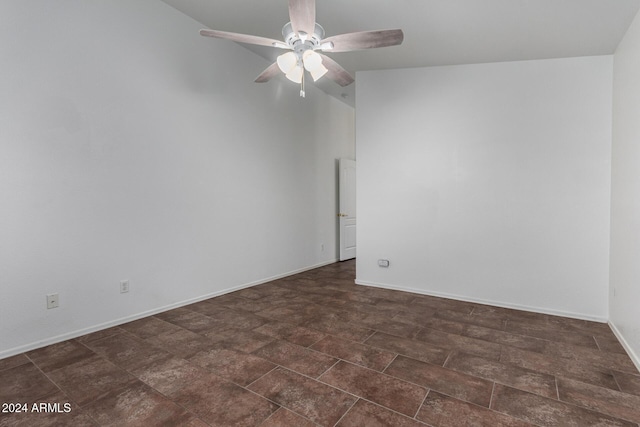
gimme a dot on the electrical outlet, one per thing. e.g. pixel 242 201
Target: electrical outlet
pixel 52 301
pixel 124 286
pixel 384 263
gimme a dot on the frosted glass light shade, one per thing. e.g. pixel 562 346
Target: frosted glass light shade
pixel 295 75
pixel 287 62
pixel 312 60
pixel 318 72
pixel 313 64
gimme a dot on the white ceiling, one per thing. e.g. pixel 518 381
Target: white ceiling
pixel 437 32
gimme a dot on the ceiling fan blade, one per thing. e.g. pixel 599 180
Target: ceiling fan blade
pixel 365 40
pixel 302 14
pixel 241 38
pixel 336 72
pixel 271 71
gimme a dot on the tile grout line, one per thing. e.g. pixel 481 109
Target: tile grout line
pixel 393 410
pixel 260 377
pixel 421 404
pixel 338 360
pixel 364 399
pixel 493 388
pixel 596 340
pixel 389 364
pixel 279 405
pixel 316 342
pixel 615 378
pixel 368 337
pixel 346 412
pixel 447 359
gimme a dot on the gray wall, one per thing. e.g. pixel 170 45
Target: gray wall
pixel 488 182
pixel 625 193
pixel 133 148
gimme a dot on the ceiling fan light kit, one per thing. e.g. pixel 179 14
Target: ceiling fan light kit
pixel 304 38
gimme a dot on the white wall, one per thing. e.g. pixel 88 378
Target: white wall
pixel 488 182
pixel 624 305
pixel 133 148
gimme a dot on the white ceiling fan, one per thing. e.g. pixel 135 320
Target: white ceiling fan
pixel 304 38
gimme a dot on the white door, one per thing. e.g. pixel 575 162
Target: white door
pixel 347 212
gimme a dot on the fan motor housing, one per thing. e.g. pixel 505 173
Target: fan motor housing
pixel 296 43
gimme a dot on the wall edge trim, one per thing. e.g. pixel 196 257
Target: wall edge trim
pixel 632 354
pixel 501 304
pixel 95 328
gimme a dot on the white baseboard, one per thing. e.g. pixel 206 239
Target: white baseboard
pixel 632 354
pixel 532 309
pixel 95 328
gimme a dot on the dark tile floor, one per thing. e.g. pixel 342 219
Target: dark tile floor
pixel 315 349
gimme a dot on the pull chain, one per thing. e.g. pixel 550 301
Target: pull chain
pixel 302 85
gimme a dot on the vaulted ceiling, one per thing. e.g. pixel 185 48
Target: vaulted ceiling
pixel 437 32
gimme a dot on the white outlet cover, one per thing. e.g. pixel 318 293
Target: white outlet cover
pixel 52 301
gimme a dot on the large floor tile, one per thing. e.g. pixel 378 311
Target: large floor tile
pixel 385 390
pixel 149 327
pixel 361 354
pixel 367 414
pixel 221 403
pixel 515 376
pixel 246 341
pixel 316 401
pixel 333 325
pixel 58 355
pixel 465 387
pixel 127 351
pixel 548 412
pixel 619 404
pixel 295 334
pixel 411 348
pixel 294 357
pixel 286 418
pixel 440 410
pixel 235 366
pixel 194 322
pixel 24 383
pixel 86 380
pixel 138 405
pixel 506 338
pixel 182 343
pixel 478 318
pixel 558 366
pixel 12 362
pixel 169 375
pixel 629 383
pixel 549 332
pixel 591 357
pixel 459 342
